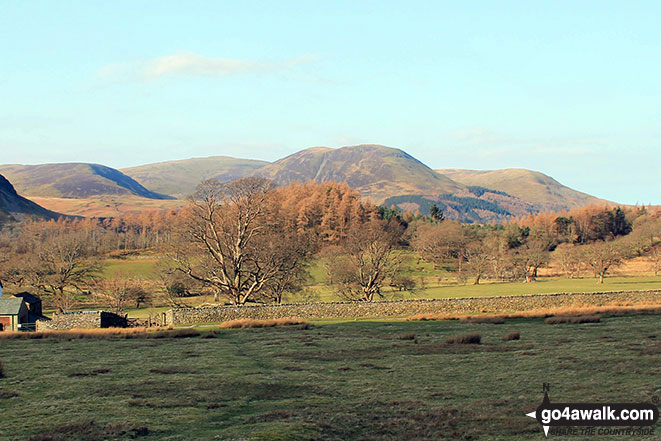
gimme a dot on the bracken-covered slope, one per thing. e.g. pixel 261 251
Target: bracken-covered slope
pixel 14 207
pixel 375 171
pixel 74 180
pixel 541 190
pixel 180 178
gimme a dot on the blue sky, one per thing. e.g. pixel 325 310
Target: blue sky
pixel 570 88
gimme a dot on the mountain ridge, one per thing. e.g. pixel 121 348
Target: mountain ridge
pixel 386 175
pixel 14 207
pixel 533 186
pixel 73 180
pixel 180 177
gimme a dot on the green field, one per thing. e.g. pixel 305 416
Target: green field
pixel 372 380
pixel 431 283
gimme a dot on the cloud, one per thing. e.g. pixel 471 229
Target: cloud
pixel 191 64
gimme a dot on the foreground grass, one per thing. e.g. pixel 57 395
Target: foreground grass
pixel 343 381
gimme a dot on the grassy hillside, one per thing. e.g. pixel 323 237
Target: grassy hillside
pixel 357 380
pixel 14 207
pixel 541 190
pixel 375 171
pixel 179 178
pixel 73 180
pixel 106 206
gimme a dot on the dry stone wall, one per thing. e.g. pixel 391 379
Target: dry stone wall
pixel 81 320
pixel 473 305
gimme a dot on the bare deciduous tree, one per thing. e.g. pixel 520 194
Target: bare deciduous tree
pixel 231 240
pixel 119 291
pixel 655 258
pixel 288 253
pixel 478 260
pixel 369 258
pixel 601 257
pixel 439 242
pixel 569 257
pixel 58 261
pixel 533 253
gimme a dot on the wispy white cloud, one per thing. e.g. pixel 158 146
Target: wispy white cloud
pixel 191 64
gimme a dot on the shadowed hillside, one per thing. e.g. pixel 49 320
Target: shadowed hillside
pixel 473 204
pixel 179 178
pixel 541 190
pixel 375 171
pixel 74 180
pixel 15 208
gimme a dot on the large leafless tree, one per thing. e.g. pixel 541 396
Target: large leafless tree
pixel 602 257
pixel 369 257
pixel 232 240
pixel 57 259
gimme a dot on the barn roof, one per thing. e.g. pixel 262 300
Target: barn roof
pixel 28 298
pixel 10 305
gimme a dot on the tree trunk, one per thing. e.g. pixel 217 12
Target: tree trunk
pixel 477 279
pixel 601 278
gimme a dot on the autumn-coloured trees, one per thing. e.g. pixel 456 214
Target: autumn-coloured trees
pixel 581 225
pixel 248 241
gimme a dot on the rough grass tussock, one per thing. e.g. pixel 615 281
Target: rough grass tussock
pixel 254 323
pixel 91 373
pixel 514 335
pixel 90 430
pixel 101 334
pixel 494 320
pixel 577 310
pixel 573 320
pixel 465 339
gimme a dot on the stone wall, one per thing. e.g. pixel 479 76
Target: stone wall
pixel 81 320
pixel 405 308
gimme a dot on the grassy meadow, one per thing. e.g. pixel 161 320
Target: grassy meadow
pixel 367 380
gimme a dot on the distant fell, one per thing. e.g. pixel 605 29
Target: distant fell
pixel 74 180
pixel 14 207
pixel 544 192
pixel 375 171
pixel 180 178
pixel 386 175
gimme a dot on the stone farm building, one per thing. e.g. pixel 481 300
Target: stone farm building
pixel 13 312
pixel 19 311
